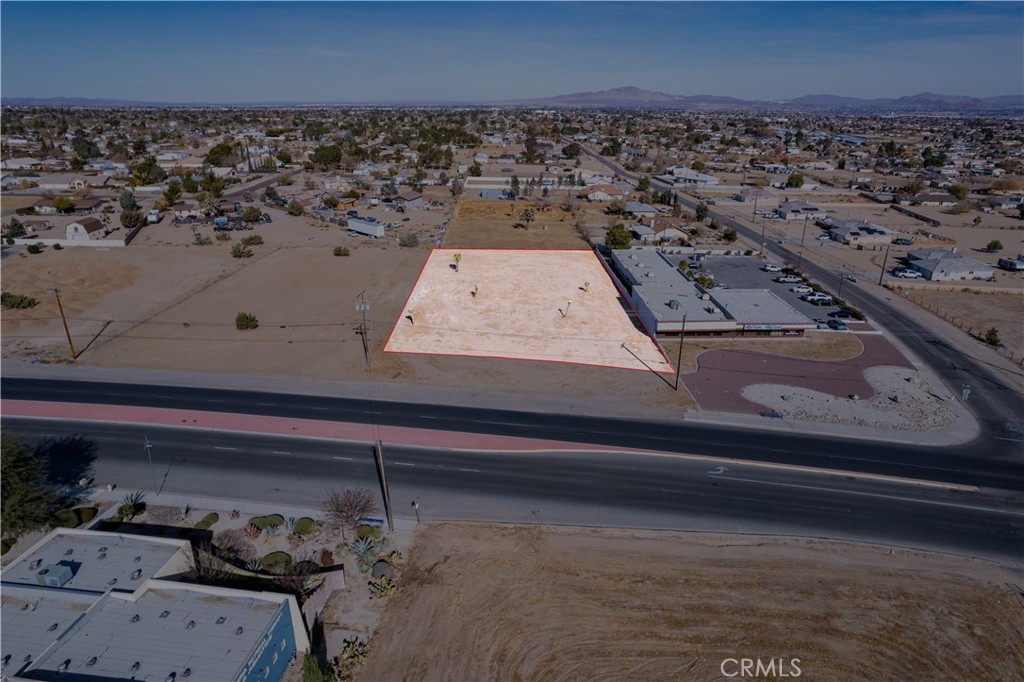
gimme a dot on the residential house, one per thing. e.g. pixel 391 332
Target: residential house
pixel 929 199
pixel 798 210
pixel 942 265
pixel 85 229
pixel 410 199
pixel 681 176
pixel 605 192
pixel 762 195
pixel 860 233
pixel 640 209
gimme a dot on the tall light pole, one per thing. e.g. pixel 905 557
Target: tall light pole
pixel 67 332
pixel 149 454
pixel 679 361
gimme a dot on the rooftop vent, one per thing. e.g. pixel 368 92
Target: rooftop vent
pixel 221 620
pixel 91 662
pixel 673 304
pixel 35 564
pixel 136 618
pixel 136 574
pixel 103 549
pixel 69 552
pixel 6 660
pixel 136 665
pixel 53 627
pixel 164 614
pixel 187 672
pixel 54 575
pixel 28 657
pixel 103 555
pixel 112 581
pixel 239 630
pixel 170 678
pixel 136 559
pixel 191 624
pixel 64 666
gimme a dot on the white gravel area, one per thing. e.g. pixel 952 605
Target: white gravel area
pixel 903 400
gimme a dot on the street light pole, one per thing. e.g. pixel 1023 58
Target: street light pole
pixel 884 259
pixel 149 454
pixel 679 361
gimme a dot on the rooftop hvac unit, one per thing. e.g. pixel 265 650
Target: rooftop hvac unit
pixel 705 297
pixel 54 575
pixel 673 304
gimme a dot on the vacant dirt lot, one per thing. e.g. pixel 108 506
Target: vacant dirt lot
pixel 555 306
pixel 814 345
pixel 979 312
pixel 489 225
pixel 487 602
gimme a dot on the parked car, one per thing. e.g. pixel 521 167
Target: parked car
pixel 352 214
pixel 788 279
pixel 768 267
pixel 822 324
pixel 841 314
pixel 821 301
pixel 837 325
pixel 904 273
pixel 850 278
pixel 903 241
pixel 801 289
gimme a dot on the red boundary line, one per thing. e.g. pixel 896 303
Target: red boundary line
pixel 604 265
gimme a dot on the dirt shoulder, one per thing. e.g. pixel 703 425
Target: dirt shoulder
pixel 483 601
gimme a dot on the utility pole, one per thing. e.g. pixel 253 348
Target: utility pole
pixel 884 259
pixel 378 451
pixel 149 453
pixel 679 361
pixel 67 332
pixel 362 307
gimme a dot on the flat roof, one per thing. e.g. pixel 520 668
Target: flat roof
pixel 165 630
pixel 659 299
pixel 29 614
pixel 758 306
pixel 646 266
pixel 96 559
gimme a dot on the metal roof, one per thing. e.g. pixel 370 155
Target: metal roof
pixel 758 306
pixel 34 617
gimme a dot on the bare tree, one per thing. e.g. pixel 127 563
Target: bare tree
pixel 205 567
pixel 346 507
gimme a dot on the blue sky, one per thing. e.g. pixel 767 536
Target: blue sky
pixel 485 51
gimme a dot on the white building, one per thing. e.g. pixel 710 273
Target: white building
pixel 84 229
pixel 943 265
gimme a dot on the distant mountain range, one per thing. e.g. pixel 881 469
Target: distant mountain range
pixel 629 97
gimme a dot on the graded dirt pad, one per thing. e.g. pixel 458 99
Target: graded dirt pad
pixel 488 602
pixel 814 345
pixel 489 225
pixel 556 306
pixel 979 312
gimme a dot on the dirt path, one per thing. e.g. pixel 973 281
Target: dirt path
pixel 487 602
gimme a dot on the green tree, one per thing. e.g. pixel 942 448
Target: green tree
pixel 132 219
pixel 327 156
pixel 475 170
pixel 77 163
pixel 241 251
pixel 514 187
pixel 795 180
pixel 730 235
pixel 15 229
pixel 571 151
pixel 699 166
pixel 251 214
pixel 959 191
pixel 127 201
pixel 173 192
pixel 25 499
pixel 527 216
pixel 63 204
pixel 244 321
pixel 147 172
pixel 222 154
pixel 618 237
pixel 295 208
pixel 702 211
pixel 994 245
pixel 992 337
pixel 644 183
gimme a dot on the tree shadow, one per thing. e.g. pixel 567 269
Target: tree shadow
pixel 69 461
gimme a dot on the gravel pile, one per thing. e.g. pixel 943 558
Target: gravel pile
pixel 903 400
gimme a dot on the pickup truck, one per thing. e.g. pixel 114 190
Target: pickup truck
pixel 788 279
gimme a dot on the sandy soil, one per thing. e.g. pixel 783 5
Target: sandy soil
pixel 814 345
pixel 488 225
pixel 487 602
pixel 903 400
pixel 531 305
pixel 978 312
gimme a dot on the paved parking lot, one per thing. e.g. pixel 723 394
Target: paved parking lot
pixel 744 272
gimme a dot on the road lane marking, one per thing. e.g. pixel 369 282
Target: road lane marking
pixel 279 452
pixel 403 464
pixel 347 459
pixel 867 494
pixel 475 471
pixel 220 447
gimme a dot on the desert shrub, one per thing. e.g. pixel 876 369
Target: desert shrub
pixel 252 532
pixel 6 544
pixel 252 240
pixel 262 522
pixel 223 236
pixel 367 531
pixel 57 247
pixel 9 241
pixel 234 514
pixel 241 251
pixel 382 588
pixel 86 514
pixel 354 651
pixel 244 321
pixel 305 526
pixel 295 540
pixel 17 301
pixel 208 520
pixel 65 518
pixel 409 240
pixel 342 251
pixel 992 337
pixel 326 558
pixel 277 562
pixel 35 248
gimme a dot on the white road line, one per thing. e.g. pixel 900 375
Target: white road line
pixel 218 447
pixel 320 409
pixel 403 464
pixel 279 452
pixel 347 459
pixel 866 494
pixel 267 404
pixel 475 471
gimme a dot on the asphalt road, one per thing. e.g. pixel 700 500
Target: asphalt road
pixel 985 462
pixel 588 489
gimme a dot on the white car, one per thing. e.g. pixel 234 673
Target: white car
pixel 906 274
pixel 801 289
pixel 768 267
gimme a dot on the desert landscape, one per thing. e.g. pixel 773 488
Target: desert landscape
pixel 482 601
